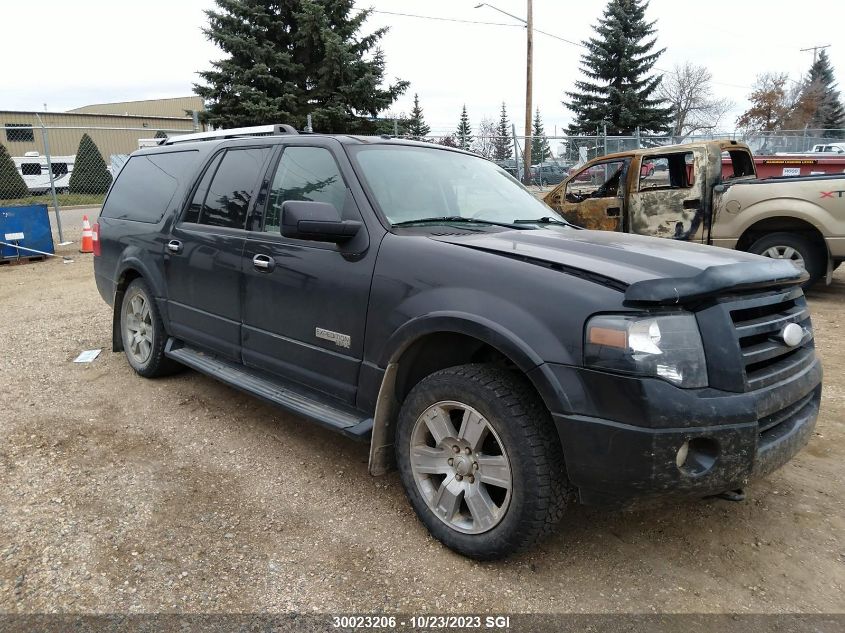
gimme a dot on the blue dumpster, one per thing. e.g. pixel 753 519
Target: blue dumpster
pixel 25 226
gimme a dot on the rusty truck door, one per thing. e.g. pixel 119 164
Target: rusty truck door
pixel 668 199
pixel 594 196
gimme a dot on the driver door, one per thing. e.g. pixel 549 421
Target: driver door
pixel 594 197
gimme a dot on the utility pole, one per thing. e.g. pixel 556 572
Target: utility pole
pixel 529 74
pixel 815 50
pixel 529 78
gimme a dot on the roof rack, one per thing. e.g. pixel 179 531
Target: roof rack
pixel 237 132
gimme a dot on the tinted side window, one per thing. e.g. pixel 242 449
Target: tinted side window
pixel 304 173
pixel 146 185
pixel 31 169
pixel 232 187
pixel 193 213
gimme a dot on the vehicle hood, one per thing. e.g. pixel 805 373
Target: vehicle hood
pixel 648 269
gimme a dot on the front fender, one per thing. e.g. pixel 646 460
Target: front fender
pixel 481 328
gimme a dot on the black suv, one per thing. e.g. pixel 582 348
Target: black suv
pixel 419 298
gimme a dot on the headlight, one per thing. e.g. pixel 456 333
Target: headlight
pixel 664 346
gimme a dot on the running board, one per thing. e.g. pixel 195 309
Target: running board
pixel 344 419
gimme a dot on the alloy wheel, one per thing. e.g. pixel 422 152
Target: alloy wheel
pixel 785 252
pixel 138 329
pixel 460 467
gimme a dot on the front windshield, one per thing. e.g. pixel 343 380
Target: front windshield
pixel 417 183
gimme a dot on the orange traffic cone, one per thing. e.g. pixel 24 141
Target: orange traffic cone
pixel 87 245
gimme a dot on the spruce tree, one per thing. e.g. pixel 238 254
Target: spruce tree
pixel 540 149
pixel 463 135
pixel 503 144
pixel 619 89
pixel 89 175
pixel 417 127
pixel 823 93
pixel 285 59
pixel 12 184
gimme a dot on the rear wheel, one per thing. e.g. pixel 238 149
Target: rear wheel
pixel 480 460
pixel 797 248
pixel 143 334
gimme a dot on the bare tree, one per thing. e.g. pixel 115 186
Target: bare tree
pixel 484 140
pixel 688 89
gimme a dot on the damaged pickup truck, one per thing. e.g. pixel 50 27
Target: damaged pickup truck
pixel 709 193
pixel 420 299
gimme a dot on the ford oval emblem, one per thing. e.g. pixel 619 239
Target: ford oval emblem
pixel 792 334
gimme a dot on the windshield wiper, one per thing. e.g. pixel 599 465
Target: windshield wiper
pixel 445 219
pixel 544 220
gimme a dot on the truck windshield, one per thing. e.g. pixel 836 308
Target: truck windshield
pixel 417 183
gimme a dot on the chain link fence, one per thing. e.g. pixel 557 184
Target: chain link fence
pixel 67 166
pixel 63 166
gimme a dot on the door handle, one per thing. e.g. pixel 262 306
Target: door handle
pixel 613 212
pixel 174 246
pixel 263 263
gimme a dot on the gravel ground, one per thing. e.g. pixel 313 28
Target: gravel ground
pixel 128 495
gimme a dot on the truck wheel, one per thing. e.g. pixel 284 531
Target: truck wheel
pixel 481 461
pixel 143 334
pixel 798 248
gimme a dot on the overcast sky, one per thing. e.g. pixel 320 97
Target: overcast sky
pixel 73 53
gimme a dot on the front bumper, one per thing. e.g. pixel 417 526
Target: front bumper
pixel 624 441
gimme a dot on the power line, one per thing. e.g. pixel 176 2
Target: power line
pixel 547 34
pixel 815 50
pixel 439 19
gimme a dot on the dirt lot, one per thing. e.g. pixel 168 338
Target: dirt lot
pixel 123 494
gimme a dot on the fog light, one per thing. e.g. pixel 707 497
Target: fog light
pixel 697 456
pixel 681 457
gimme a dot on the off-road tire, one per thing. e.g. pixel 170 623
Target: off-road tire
pixel 157 364
pixel 813 254
pixel 540 490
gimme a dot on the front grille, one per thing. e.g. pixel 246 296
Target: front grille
pixel 758 324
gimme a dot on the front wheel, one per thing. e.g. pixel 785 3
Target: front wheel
pixel 480 460
pixel 797 248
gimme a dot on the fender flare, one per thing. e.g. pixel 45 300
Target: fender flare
pixel 486 331
pixel 478 327
pixel 136 265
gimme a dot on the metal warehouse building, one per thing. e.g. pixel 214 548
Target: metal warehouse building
pixel 114 127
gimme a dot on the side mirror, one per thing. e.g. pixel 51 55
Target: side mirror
pixel 316 221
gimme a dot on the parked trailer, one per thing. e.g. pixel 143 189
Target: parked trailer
pixel 36 171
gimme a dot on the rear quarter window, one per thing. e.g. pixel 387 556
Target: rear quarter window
pixel 144 189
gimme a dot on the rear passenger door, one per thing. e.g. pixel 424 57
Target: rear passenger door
pixel 305 302
pixel 671 202
pixel 203 252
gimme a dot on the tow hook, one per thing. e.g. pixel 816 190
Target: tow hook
pixel 732 495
